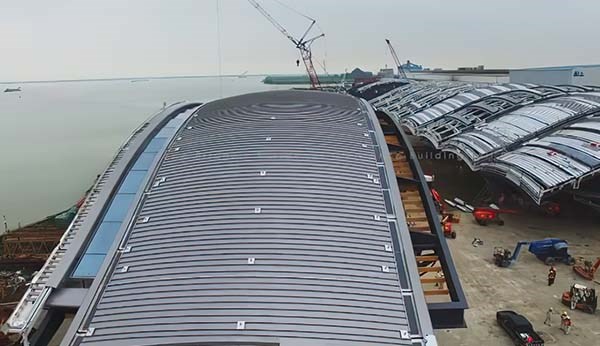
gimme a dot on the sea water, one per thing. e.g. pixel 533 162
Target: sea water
pixel 56 137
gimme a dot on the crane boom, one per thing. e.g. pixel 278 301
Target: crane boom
pixel 301 44
pixel 401 72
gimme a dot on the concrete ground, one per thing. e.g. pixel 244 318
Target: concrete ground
pixel 523 286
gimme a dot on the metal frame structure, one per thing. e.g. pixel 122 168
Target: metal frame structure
pixel 503 132
pixel 425 117
pixel 514 128
pixel 563 158
pixel 471 115
pixel 431 243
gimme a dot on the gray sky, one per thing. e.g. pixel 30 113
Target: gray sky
pixel 71 39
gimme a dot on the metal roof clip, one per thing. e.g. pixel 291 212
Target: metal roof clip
pixel 85 332
pixel 251 260
pixel 376 180
pixel 241 325
pixel 268 139
pixel 143 219
pixel 178 138
pixel 159 181
pixel 385 269
pixel 125 249
pixel 189 127
pixel 370 175
pixel 257 210
pixel 388 247
pixel 404 334
pixel 176 149
pixel 124 269
pixel 376 217
pixel 263 173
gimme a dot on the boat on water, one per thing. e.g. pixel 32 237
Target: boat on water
pixel 12 90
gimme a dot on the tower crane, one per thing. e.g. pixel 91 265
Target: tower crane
pixel 401 72
pixel 302 44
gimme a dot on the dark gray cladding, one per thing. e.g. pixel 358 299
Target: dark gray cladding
pixel 265 224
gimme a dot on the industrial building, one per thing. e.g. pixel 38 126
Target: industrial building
pixel 558 75
pixel 277 218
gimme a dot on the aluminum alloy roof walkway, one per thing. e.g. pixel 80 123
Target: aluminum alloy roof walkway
pixel 272 218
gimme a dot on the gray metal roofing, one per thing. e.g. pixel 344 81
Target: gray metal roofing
pixel 420 95
pixel 563 157
pixel 440 109
pixel 478 112
pixel 492 134
pixel 493 137
pixel 274 224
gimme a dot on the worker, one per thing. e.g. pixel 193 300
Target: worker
pixel 548 320
pixel 297 62
pixel 563 317
pixel 567 325
pixel 529 339
pixel 551 276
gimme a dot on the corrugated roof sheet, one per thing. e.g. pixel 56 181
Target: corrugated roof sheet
pixel 270 226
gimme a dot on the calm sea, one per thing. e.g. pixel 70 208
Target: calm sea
pixel 56 137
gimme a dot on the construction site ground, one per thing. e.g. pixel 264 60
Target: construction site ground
pixel 523 286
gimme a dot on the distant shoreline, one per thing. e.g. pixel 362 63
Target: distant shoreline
pixel 122 78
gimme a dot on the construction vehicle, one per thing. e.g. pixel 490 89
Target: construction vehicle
pixel 486 215
pixel 549 250
pixel 519 329
pixel 302 44
pixel 588 269
pixel 581 297
pixel 401 73
pixel 504 257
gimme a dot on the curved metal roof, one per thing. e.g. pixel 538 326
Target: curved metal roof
pixel 272 218
pixel 419 96
pixel 563 157
pixel 484 110
pixel 489 139
pixel 440 109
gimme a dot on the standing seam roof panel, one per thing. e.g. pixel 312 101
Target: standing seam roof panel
pixel 261 261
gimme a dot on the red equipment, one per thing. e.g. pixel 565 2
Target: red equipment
pixel 447 226
pixel 580 297
pixel 302 43
pixel 587 271
pixel 437 199
pixel 485 215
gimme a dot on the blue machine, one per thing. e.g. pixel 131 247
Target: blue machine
pixel 551 250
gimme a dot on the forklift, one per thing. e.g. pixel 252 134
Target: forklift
pixel 581 297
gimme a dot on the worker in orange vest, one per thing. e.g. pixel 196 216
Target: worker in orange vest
pixel 551 276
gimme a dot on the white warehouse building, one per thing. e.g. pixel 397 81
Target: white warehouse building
pixel 559 75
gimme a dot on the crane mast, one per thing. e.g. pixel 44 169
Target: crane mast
pixel 401 72
pixel 302 44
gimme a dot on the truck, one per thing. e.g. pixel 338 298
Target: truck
pixel 518 328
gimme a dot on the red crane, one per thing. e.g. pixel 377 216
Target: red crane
pixel 301 44
pixel 401 73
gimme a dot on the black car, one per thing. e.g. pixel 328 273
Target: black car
pixel 519 328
